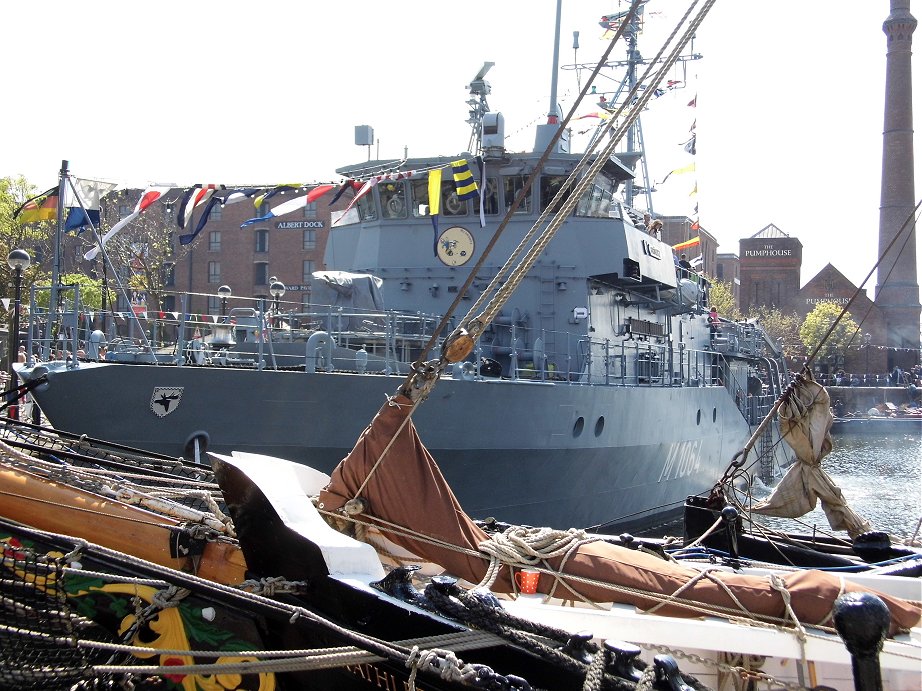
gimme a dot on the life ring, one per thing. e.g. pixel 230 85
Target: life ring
pixel 394 206
pixel 453 205
pixel 195 352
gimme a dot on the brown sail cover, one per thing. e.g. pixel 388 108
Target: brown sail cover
pixel 408 489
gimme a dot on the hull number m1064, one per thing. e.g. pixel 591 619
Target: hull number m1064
pixel 683 460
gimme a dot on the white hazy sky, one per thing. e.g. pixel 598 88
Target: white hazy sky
pixel 789 93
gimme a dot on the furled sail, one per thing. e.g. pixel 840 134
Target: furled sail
pixel 805 419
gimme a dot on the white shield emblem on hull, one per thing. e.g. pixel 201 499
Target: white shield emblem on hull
pixel 165 399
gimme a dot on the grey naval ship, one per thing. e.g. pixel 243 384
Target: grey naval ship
pixel 598 396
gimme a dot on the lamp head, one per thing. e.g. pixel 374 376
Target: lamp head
pixel 19 259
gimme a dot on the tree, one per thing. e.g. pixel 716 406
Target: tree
pixel 140 251
pixel 783 328
pixel 817 338
pixel 720 295
pixel 34 238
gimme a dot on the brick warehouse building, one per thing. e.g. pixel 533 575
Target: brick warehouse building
pixel 770 264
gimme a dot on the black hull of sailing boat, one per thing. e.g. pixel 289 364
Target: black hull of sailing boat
pixel 866 552
pixel 218 618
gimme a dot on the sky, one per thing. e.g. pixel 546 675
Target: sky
pixel 788 118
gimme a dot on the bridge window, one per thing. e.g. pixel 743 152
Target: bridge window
pixel 596 201
pixel 490 191
pixel 550 185
pixel 393 198
pixel 449 204
pixel 366 207
pixel 512 185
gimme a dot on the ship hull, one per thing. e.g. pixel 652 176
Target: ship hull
pixel 522 451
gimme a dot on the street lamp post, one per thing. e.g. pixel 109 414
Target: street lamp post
pixel 276 290
pixel 225 292
pixel 867 356
pixel 18 260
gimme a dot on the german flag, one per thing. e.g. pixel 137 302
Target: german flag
pixel 688 243
pixel 43 207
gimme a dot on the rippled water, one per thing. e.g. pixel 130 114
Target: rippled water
pixel 880 476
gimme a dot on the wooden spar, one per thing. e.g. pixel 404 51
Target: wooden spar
pixel 47 505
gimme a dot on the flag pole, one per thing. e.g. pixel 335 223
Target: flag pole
pixel 56 267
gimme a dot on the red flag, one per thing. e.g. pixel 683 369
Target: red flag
pixel 318 192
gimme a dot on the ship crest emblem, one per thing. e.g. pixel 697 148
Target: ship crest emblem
pixel 165 399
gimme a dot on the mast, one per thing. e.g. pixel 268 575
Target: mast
pixel 634 153
pixel 545 134
pixel 552 114
pixel 58 234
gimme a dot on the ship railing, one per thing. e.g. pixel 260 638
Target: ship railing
pixel 624 362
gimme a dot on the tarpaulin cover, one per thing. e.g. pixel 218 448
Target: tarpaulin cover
pixel 408 489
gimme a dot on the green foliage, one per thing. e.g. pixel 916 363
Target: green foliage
pixel 720 295
pixel 784 329
pixel 141 250
pixel 34 238
pixel 816 326
pixel 90 292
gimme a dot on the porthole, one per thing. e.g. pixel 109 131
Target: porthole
pixel 578 426
pixel 714 415
pixel 599 426
pixel 698 421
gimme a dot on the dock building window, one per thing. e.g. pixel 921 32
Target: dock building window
pixel 169 274
pixel 215 213
pixel 310 210
pixel 214 272
pixel 307 270
pixel 261 273
pixel 310 239
pixel 262 240
pixel 214 241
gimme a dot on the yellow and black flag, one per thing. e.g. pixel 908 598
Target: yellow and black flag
pixel 465 185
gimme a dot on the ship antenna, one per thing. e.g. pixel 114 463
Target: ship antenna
pixel 552 113
pixel 479 90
